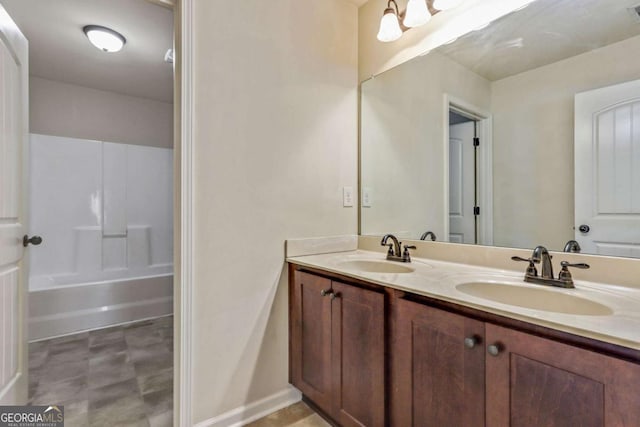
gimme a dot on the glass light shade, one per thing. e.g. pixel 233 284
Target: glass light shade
pixel 389 27
pixel 417 14
pixel 104 38
pixel 446 4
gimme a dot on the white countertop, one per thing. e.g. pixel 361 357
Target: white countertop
pixel 439 279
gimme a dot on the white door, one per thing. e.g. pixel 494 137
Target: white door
pixel 607 170
pixel 13 142
pixel 461 183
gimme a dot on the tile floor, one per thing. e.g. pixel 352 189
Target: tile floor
pixel 298 415
pixel 122 376
pixel 119 376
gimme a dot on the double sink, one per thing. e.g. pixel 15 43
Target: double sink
pixel 503 290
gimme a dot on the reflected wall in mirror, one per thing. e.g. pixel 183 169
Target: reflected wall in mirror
pixel 544 88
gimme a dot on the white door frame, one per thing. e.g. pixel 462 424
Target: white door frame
pixel 485 160
pixel 183 285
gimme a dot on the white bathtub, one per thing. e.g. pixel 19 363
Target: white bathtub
pixel 64 305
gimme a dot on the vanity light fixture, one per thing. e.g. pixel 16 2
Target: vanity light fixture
pixel 390 23
pixel 418 13
pixel 105 39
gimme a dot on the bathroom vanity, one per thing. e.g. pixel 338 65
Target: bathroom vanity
pixel 374 343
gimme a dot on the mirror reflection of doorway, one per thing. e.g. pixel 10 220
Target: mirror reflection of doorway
pixel 469 179
pixel 463 181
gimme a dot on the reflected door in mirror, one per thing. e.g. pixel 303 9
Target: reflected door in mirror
pixel 607 174
pixel 462 183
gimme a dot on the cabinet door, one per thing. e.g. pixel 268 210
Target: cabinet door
pixel 358 356
pixel 538 382
pixel 310 352
pixel 436 379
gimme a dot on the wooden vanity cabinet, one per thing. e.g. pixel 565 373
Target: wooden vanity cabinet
pixel 437 367
pixel 451 370
pixel 337 348
pixel 447 365
pixel 310 338
pixel 533 381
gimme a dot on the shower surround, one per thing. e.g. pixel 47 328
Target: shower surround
pixel 104 211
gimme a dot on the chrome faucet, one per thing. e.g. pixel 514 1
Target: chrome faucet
pixel 430 234
pixel 394 248
pixel 541 255
pixel 572 246
pixel 395 252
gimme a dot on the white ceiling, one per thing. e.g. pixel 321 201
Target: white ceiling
pixel 59 50
pixel 544 32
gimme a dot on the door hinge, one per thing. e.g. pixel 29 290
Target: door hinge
pixel 476 142
pixel 476 210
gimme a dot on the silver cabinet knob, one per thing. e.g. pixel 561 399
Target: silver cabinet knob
pixel 325 292
pixel 494 349
pixel 470 342
pixel 333 296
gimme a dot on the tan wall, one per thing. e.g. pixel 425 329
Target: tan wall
pixel 402 146
pixel 533 143
pixel 275 141
pixel 63 109
pixel 376 57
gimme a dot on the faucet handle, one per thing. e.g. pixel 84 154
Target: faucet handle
pixel 565 274
pixel 531 269
pixel 406 256
pixel 581 265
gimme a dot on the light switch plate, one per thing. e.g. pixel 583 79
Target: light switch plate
pixel 366 197
pixel 347 197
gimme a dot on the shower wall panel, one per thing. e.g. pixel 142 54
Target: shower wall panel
pixel 105 213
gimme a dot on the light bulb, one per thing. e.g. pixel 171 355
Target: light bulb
pixel 104 38
pixel 389 27
pixel 417 14
pixel 446 4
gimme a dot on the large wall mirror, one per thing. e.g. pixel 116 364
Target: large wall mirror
pixel 523 133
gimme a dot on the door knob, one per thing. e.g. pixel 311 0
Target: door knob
pixel 34 240
pixel 584 228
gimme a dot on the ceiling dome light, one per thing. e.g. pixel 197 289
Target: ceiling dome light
pixel 446 4
pixel 417 14
pixel 389 24
pixel 104 38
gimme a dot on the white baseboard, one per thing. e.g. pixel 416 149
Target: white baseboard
pixel 256 410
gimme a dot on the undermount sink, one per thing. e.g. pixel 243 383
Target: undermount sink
pixel 538 299
pixel 371 266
